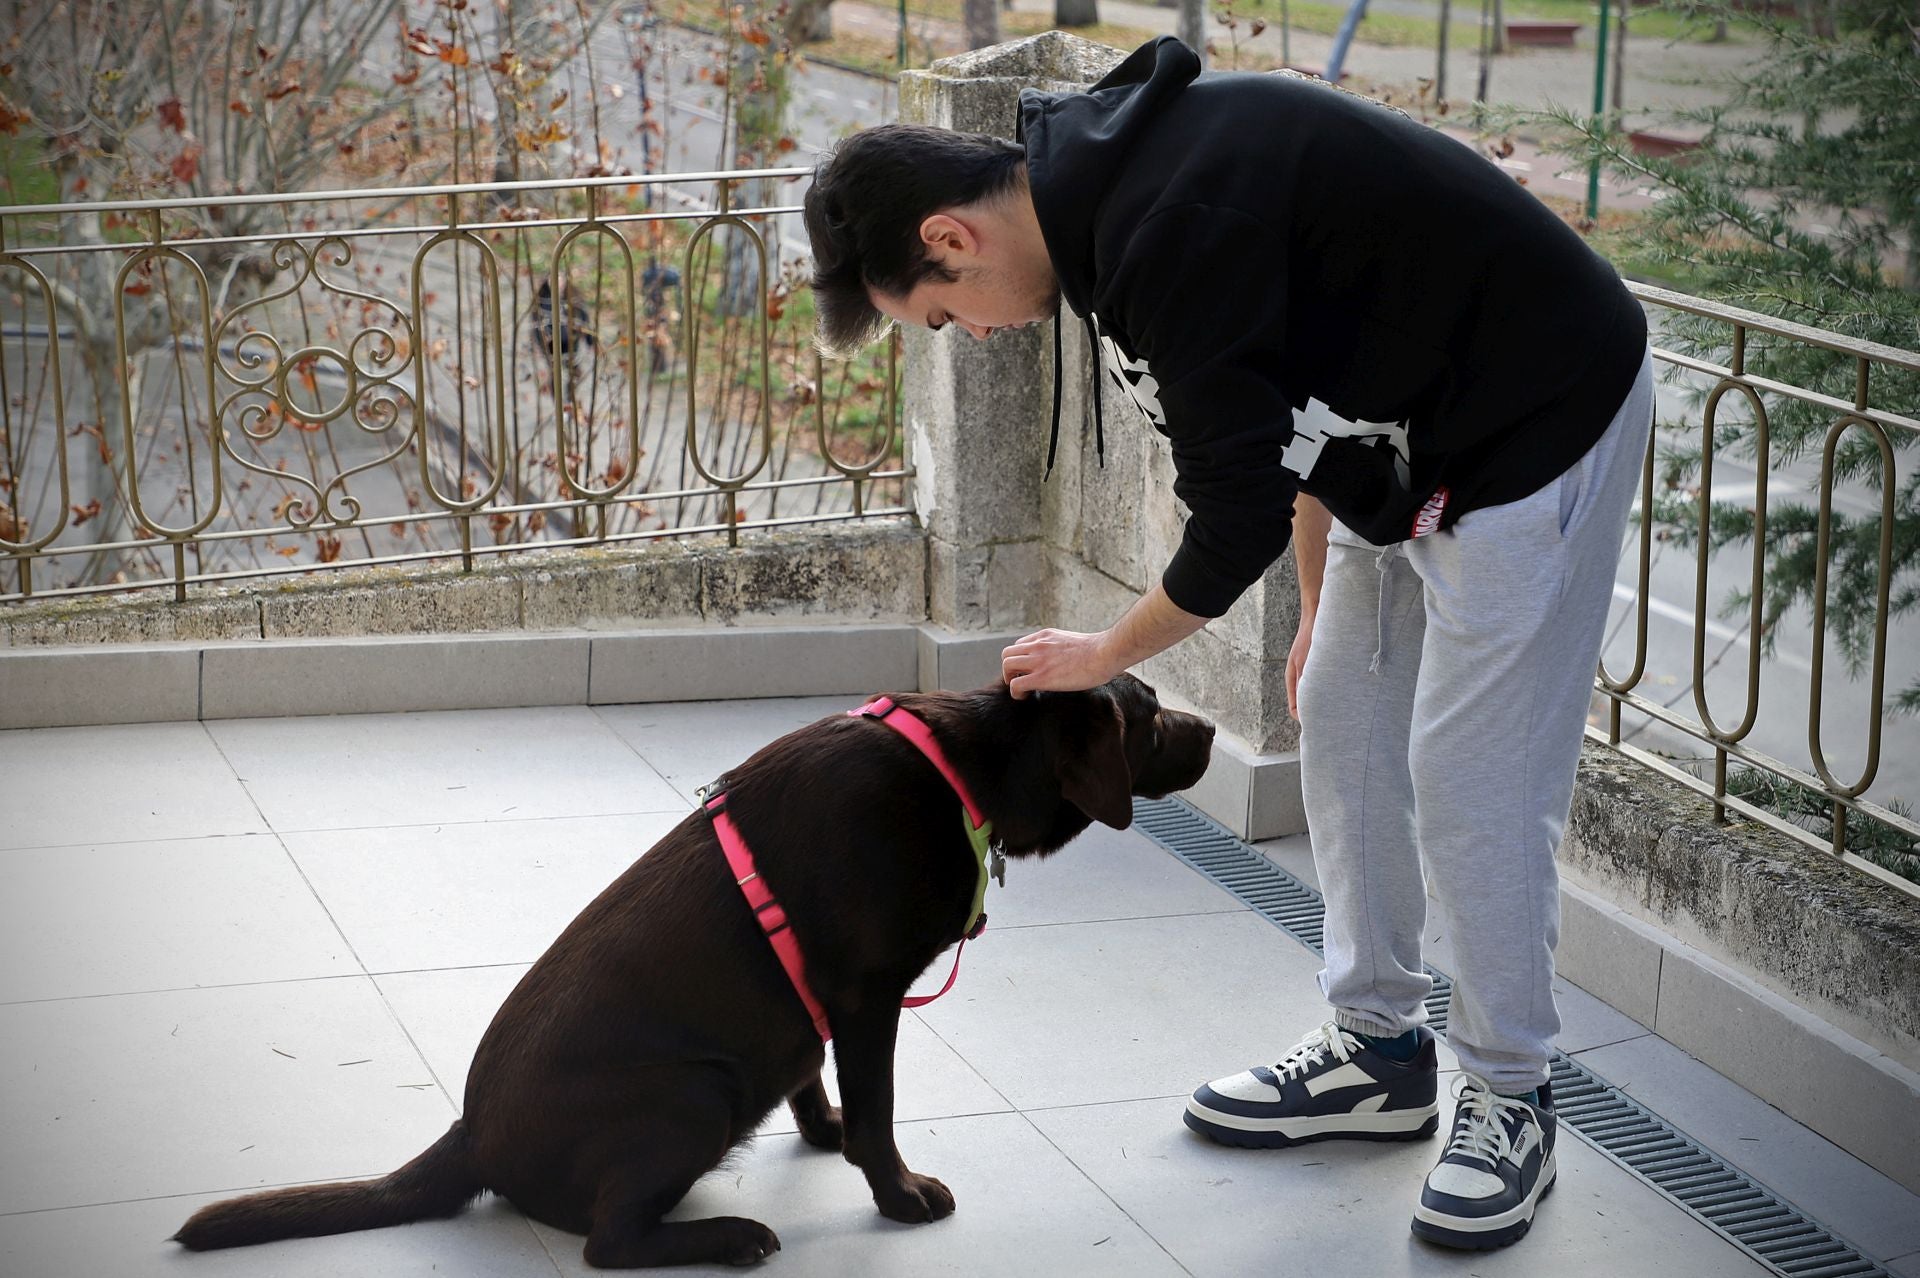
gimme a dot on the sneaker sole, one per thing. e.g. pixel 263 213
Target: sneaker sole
pixel 1279 1133
pixel 1465 1234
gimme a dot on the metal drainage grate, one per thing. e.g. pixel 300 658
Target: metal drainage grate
pixel 1722 1197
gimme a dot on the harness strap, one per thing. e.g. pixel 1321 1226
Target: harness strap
pixel 972 819
pixel 979 829
pixel 767 911
pixel 772 916
pixel 915 729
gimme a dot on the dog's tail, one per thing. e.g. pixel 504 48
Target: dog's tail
pixel 437 1183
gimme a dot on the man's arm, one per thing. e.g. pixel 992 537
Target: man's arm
pixel 1311 523
pixel 1069 661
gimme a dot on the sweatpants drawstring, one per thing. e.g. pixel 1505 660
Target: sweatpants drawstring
pixel 1384 562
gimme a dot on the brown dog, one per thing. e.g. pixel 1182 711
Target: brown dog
pixel 659 1030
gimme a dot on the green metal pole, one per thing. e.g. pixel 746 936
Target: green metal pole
pixel 1599 105
pixel 903 34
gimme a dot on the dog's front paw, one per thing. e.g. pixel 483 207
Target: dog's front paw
pixel 915 1200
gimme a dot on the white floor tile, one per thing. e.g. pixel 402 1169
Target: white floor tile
pixel 1091 1012
pixel 1112 981
pixel 1342 1209
pixel 63 786
pixel 1103 874
pixel 445 1013
pixel 1021 1209
pixel 197 1091
pixel 128 1240
pixel 121 917
pixel 692 742
pixel 1586 1022
pixel 1841 1192
pixel 353 771
pixel 470 893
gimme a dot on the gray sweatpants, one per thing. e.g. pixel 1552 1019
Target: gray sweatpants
pixel 1441 711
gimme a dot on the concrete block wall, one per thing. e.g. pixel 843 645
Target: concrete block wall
pixel 1794 975
pixel 866 571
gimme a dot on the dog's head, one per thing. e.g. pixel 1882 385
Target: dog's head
pixel 1115 741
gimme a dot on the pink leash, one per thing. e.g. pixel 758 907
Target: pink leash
pixel 915 729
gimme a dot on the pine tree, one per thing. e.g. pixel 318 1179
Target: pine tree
pixel 1803 203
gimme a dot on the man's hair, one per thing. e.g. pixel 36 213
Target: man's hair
pixel 863 212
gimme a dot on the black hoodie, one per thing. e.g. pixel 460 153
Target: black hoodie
pixel 1245 244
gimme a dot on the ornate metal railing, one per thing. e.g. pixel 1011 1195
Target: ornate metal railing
pixel 209 390
pixel 206 391
pixel 1853 405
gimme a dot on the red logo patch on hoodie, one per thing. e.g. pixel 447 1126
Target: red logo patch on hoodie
pixel 1427 521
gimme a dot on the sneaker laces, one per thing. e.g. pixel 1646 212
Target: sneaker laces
pixel 1480 1128
pixel 1313 1049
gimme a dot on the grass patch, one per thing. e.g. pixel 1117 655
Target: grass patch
pixel 24 170
pixel 1406 29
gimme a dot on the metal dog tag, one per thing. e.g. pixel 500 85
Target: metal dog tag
pixel 998 866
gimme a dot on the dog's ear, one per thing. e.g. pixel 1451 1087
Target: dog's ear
pixel 1090 758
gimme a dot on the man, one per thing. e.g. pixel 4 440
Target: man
pixel 1355 332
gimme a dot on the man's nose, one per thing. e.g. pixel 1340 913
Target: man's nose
pixel 980 331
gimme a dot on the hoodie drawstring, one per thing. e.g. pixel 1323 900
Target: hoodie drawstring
pixel 1099 417
pixel 1099 423
pixel 1053 439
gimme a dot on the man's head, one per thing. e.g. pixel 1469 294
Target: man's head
pixel 920 225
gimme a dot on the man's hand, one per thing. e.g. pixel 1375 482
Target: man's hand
pixel 1297 661
pixel 1067 661
pixel 1057 661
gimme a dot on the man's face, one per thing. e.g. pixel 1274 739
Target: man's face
pixel 994 289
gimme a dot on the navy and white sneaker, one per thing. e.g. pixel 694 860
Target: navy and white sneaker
pixel 1498 1165
pixel 1330 1086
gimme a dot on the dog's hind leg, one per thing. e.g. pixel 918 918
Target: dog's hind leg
pixel 662 1155
pixel 819 1120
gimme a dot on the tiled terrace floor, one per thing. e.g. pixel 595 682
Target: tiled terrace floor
pixel 259 952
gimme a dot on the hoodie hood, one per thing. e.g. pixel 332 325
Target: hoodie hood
pixel 1078 143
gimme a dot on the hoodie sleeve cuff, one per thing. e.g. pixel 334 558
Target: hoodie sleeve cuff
pixel 1193 589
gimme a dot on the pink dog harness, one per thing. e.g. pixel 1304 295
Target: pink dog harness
pixel 773 917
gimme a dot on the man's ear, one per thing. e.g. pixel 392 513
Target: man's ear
pixel 947 236
pixel 1090 757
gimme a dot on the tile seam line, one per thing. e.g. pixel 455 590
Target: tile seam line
pixel 1103 1192
pixel 632 749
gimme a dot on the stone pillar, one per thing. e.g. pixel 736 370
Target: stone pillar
pixel 1010 553
pixel 976 412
